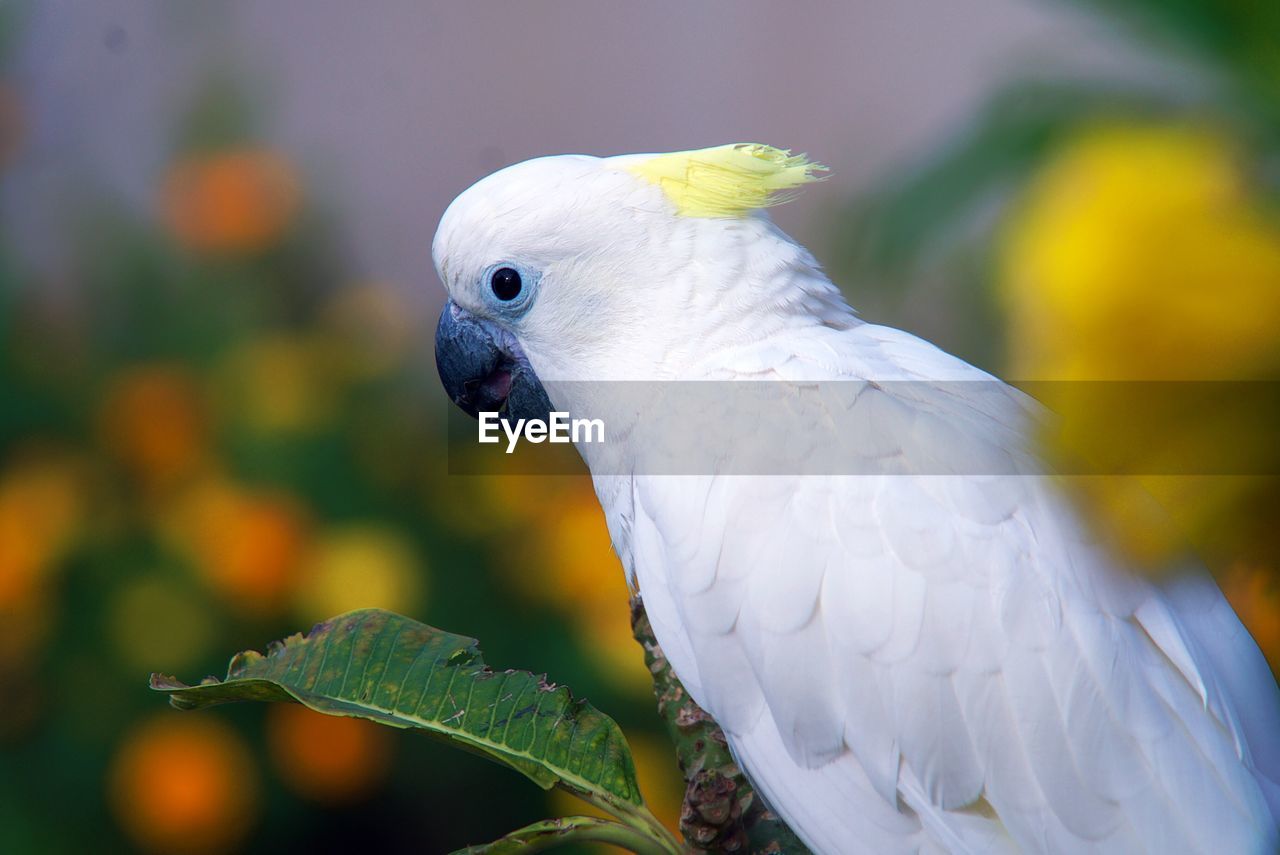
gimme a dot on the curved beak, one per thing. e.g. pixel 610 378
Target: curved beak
pixel 483 368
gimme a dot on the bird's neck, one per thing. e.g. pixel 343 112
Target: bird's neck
pixel 728 286
pixel 717 324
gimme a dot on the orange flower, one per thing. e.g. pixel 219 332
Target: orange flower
pixel 1254 594
pixel 39 506
pixel 327 758
pixel 230 202
pixel 248 545
pixel 605 634
pixel 184 783
pixel 154 419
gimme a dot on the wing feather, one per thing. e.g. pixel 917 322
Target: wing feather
pixel 906 661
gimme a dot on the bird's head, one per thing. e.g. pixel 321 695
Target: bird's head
pixel 577 268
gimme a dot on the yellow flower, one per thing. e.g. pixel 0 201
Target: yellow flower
pixel 490 504
pixel 361 566
pixel 158 625
pixel 230 202
pixel 184 783
pixel 577 573
pixel 1139 254
pixel 281 382
pixel 604 630
pixel 571 566
pixel 575 550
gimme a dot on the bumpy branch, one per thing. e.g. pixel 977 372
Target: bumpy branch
pixel 721 811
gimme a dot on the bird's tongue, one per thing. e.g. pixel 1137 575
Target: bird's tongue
pixel 497 386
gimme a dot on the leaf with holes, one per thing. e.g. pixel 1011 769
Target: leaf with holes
pixel 377 665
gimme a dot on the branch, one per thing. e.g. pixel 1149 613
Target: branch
pixel 721 811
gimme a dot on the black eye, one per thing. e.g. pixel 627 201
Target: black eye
pixel 505 283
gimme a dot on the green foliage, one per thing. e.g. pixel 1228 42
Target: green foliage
pixel 934 220
pixel 922 209
pixel 1240 38
pixel 304 392
pixel 926 206
pixel 379 666
pixel 549 833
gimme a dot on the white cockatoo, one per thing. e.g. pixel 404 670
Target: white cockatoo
pixel 913 658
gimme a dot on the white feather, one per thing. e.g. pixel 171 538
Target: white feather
pixel 940 643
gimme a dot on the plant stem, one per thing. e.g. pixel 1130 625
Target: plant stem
pixel 638 817
pixel 549 833
pixel 721 811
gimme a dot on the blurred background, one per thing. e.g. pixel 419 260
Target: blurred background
pixel 219 418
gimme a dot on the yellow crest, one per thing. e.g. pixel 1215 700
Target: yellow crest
pixel 728 180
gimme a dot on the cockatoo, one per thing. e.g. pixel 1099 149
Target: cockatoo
pixel 917 659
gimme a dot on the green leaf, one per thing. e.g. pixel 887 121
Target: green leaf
pixel 380 666
pixel 925 205
pixel 1239 37
pixel 550 833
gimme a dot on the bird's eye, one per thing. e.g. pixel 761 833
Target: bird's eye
pixel 505 283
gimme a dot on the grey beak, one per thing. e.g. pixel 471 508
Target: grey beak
pixel 483 368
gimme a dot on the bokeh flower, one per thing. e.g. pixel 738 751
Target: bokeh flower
pixel 491 505
pixel 1140 254
pixel 578 574
pixel 361 565
pixel 280 382
pixel 326 758
pixel 41 509
pixel 184 783
pixel 157 623
pixel 40 512
pixel 154 418
pixel 40 506
pixel 373 326
pixel 230 202
pixel 1254 593
pixel 248 544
